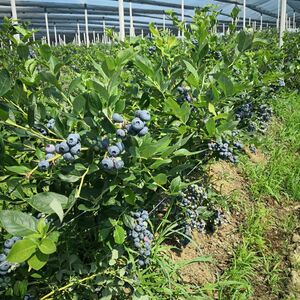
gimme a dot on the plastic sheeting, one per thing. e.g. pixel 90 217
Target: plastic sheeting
pixel 65 14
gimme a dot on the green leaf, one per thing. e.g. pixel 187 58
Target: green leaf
pixel 47 246
pixel 119 234
pixel 159 163
pixel 185 152
pixel 145 65
pixel 38 260
pixel 21 251
pixel 23 51
pixel 244 40
pixel 57 208
pixel 42 201
pixel 212 109
pixel 210 126
pixel 226 85
pixel 128 221
pixel 5 82
pixel 79 104
pixel 175 184
pixel 22 170
pixel 74 84
pixel 18 223
pixel 161 179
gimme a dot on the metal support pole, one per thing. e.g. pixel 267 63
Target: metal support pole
pixel 94 36
pixel 86 26
pixel 33 36
pixel 164 22
pixel 131 30
pixel 14 16
pixel 224 28
pixel 282 21
pixel 121 21
pixel 55 35
pixel 47 28
pixel 294 20
pixel 104 33
pixel 244 14
pixel 278 14
pixel 78 34
pixel 142 33
pixel 250 22
pixel 261 22
pixel 182 16
pixel 64 39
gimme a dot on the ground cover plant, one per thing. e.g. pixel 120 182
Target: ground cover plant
pixel 104 154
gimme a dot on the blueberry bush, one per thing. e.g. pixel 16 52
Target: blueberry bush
pixel 103 154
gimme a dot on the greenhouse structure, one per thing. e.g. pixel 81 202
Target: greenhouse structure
pixel 149 149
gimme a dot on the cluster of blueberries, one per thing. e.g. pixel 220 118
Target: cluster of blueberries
pixel 184 95
pixel 141 237
pixel 50 124
pixel 193 200
pixel 5 266
pixel 252 149
pixel 246 112
pixel 68 149
pixel 279 84
pixel 136 127
pixel 224 149
pixel 151 50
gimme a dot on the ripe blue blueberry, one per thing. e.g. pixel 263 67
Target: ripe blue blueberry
pixel 113 151
pixel 107 163
pixel 43 165
pixel 50 148
pixel 9 243
pixel 73 139
pixel 4 266
pixel 121 146
pixel 68 156
pixel 117 118
pixel 63 147
pixel 105 143
pixel 137 124
pixel 49 156
pixel 144 131
pixel 2 257
pixel 75 150
pixel 137 113
pixel 121 133
pixel 141 262
pixel 144 115
pixel 119 164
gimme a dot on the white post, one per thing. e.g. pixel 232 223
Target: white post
pixel 294 20
pixel 249 21
pixel 59 39
pixel 98 38
pixel 182 16
pixel 94 36
pixel 289 26
pixel 14 15
pixel 261 22
pixel 164 22
pixel 131 30
pixel 104 33
pixel 142 33
pixel 47 28
pixel 64 39
pixel 55 35
pixel 278 14
pixel 78 34
pixel 84 38
pixel 244 14
pixel 282 21
pixel 86 26
pixel 33 36
pixel 121 21
pixel 224 28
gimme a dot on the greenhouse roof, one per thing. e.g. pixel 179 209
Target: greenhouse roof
pixel 65 14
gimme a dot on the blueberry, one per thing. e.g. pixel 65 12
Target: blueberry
pixel 137 244
pixel 147 245
pixel 63 147
pixel 105 143
pixel 43 165
pixel 121 133
pixel 117 118
pixel 57 149
pixel 141 262
pixel 75 150
pixel 2 257
pixel 107 163
pixel 138 228
pixel 137 113
pixel 147 253
pixel 4 266
pixel 119 164
pixel 73 139
pixel 144 115
pixel 144 131
pixel 9 243
pixel 50 148
pixel 137 124
pixel 6 251
pixel 121 146
pixel 134 234
pixel 68 156
pixel 51 124
pixel 49 156
pixel 113 151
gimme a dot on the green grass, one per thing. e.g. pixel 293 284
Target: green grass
pixel 255 262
